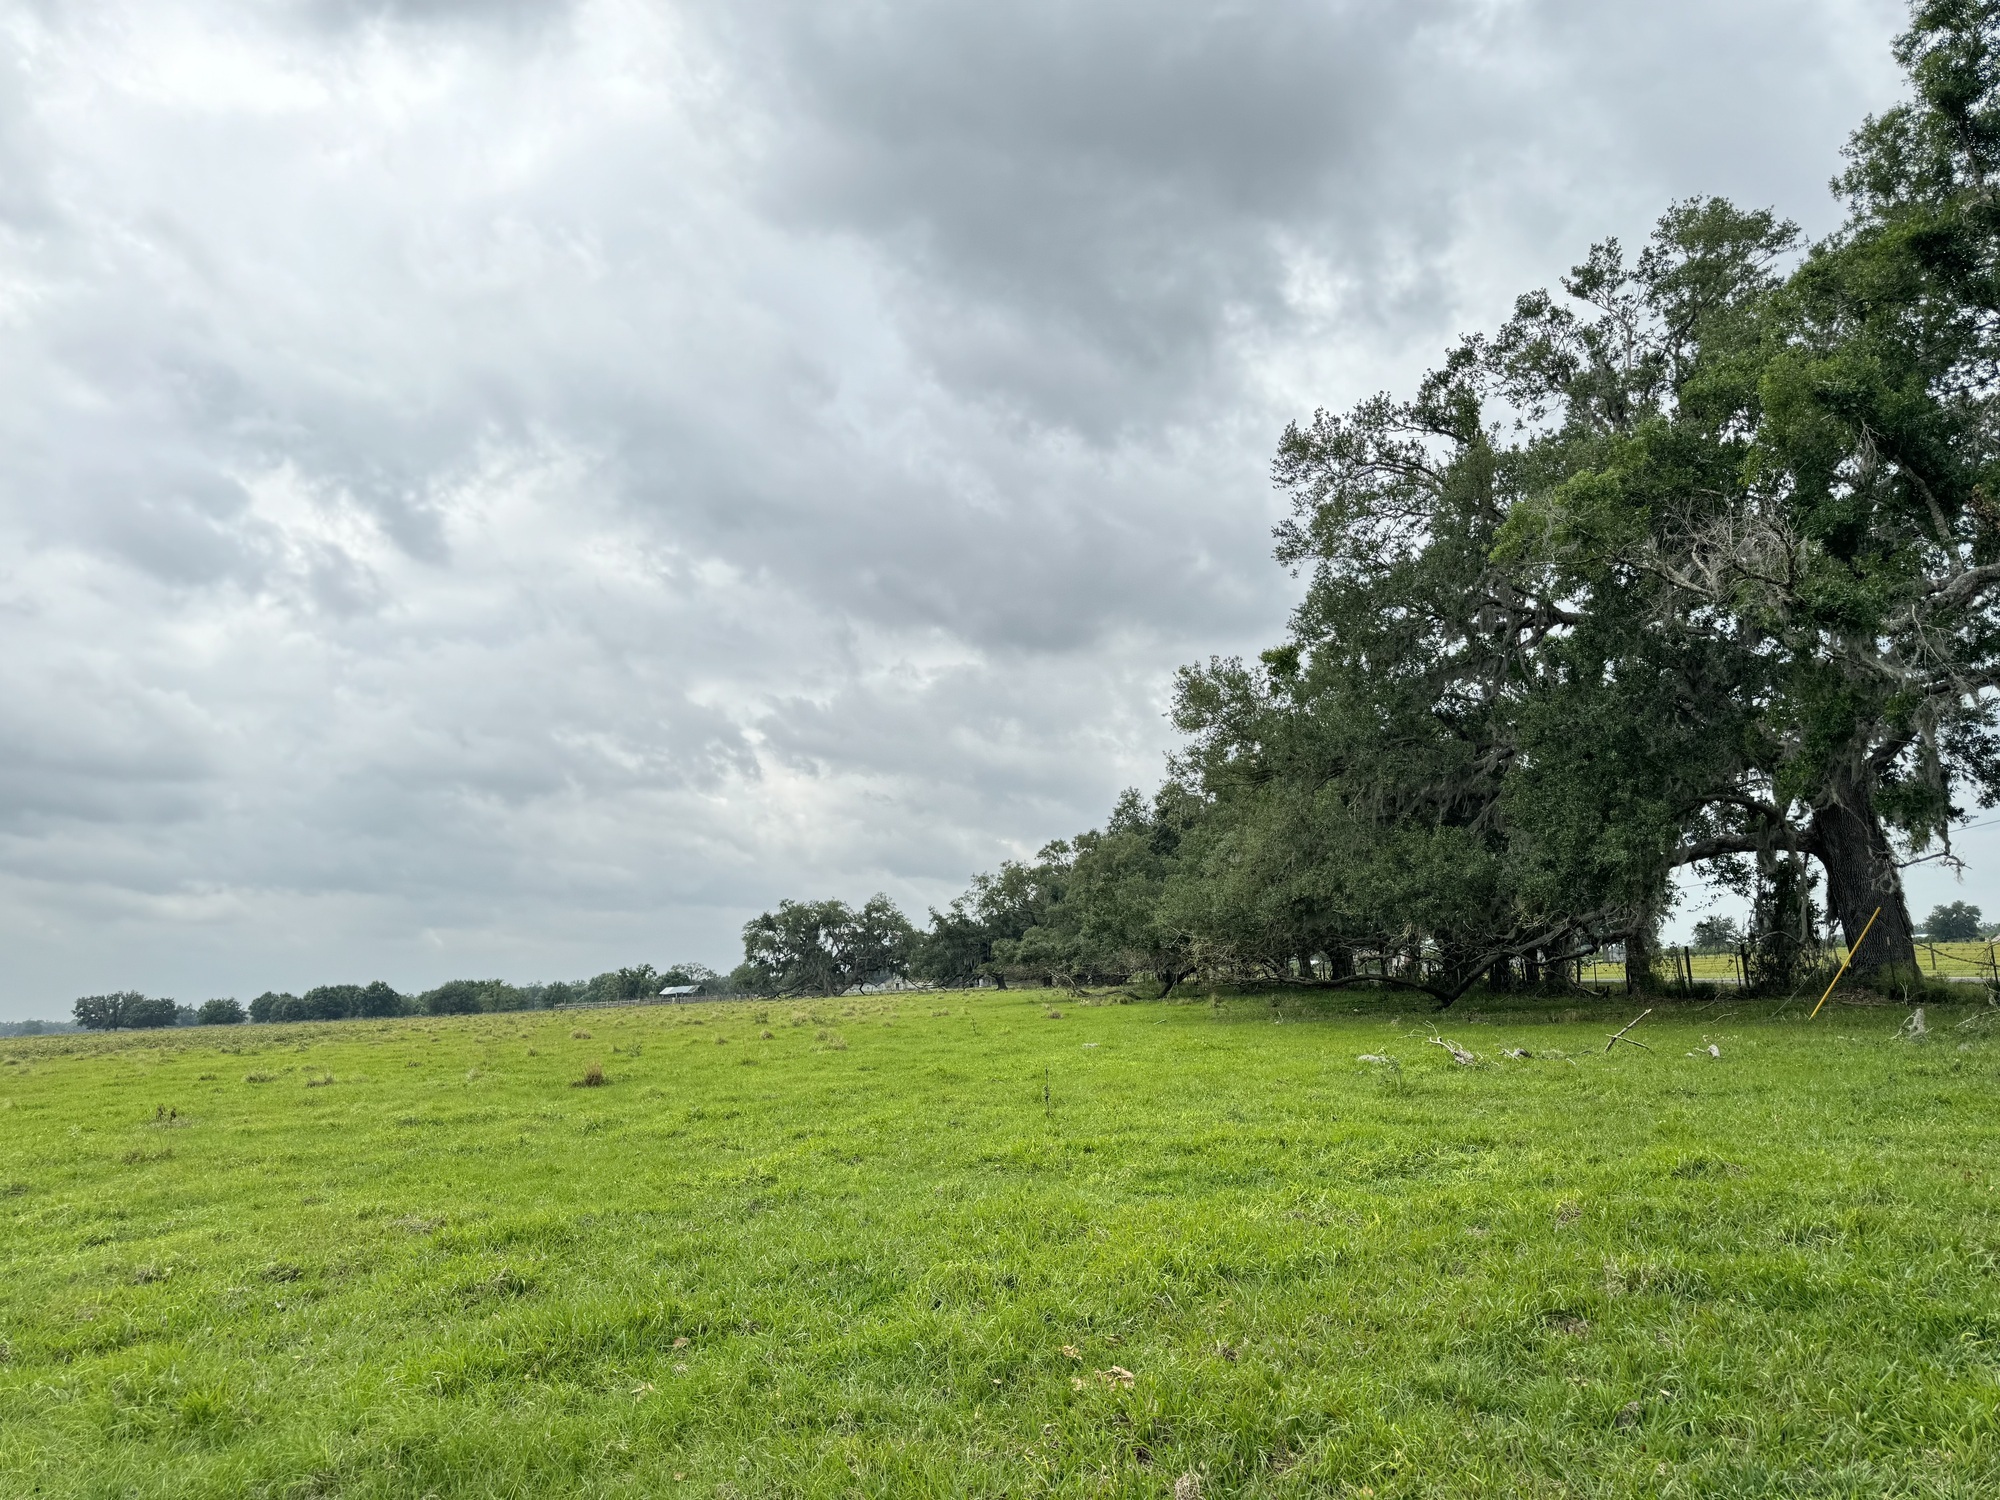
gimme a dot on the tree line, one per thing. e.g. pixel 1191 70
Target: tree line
pixel 1691 563
pixel 129 1010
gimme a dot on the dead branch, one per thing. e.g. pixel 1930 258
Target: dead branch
pixel 1619 1035
pixel 1458 1054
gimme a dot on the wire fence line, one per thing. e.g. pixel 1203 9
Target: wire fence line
pixel 644 1000
pixel 1958 963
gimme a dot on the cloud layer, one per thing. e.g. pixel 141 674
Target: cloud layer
pixel 516 488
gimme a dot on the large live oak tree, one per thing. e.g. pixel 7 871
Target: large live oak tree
pixel 1697 562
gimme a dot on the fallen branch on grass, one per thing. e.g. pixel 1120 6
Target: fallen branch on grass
pixel 1458 1054
pixel 1619 1035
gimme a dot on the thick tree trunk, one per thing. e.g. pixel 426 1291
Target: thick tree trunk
pixel 1861 874
pixel 1639 960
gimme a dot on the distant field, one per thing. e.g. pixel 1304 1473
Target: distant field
pixel 854 1249
pixel 1959 961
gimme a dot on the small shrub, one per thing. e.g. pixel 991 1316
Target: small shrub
pixel 593 1078
pixel 260 1077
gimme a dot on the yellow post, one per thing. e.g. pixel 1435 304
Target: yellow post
pixel 1849 959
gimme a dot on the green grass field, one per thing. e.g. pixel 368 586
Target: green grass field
pixel 953 1245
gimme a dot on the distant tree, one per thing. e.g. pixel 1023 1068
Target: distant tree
pixel 149 1011
pixel 330 1002
pixel 379 999
pixel 1110 916
pixel 219 1013
pixel 1954 922
pixel 456 997
pixel 1717 935
pixel 106 1012
pixel 877 943
pixel 958 947
pixel 273 1005
pixel 823 947
pixel 123 1010
pixel 548 994
pixel 955 949
pixel 639 982
pixel 792 950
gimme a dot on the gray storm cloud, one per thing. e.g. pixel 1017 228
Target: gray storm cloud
pixel 510 488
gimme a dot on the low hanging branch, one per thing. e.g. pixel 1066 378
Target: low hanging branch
pixel 1447 988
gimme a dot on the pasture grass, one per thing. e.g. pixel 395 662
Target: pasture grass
pixel 1004 1244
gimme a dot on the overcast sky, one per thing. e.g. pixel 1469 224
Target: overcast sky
pixel 513 489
